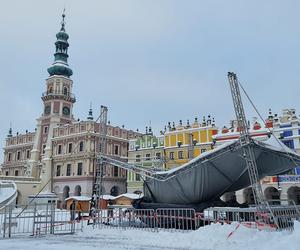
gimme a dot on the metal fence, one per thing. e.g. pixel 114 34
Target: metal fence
pixel 147 219
pixel 45 219
pixel 36 220
pixel 280 217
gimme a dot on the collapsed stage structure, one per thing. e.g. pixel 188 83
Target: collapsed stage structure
pixel 210 175
pixel 216 172
pixel 230 167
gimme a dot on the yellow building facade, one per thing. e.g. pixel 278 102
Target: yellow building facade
pixel 183 143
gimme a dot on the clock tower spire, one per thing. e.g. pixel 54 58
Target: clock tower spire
pixel 58 103
pixel 58 98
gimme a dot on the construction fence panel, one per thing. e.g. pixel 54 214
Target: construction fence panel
pixel 37 220
pixel 176 219
pixel 277 217
pixel 148 219
pixel 125 218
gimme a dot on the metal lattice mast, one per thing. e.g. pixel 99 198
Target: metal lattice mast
pixel 100 168
pixel 245 141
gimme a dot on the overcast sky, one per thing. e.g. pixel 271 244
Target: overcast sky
pixel 155 61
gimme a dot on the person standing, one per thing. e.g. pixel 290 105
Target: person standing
pixel 92 212
pixel 73 210
pixel 79 210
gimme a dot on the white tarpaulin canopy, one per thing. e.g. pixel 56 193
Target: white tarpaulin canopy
pixel 220 170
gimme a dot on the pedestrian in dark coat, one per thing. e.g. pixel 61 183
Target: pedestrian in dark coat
pixel 72 210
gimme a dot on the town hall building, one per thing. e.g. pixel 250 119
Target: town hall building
pixel 62 152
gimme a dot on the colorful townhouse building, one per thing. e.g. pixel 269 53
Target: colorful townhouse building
pixel 174 146
pixel 286 127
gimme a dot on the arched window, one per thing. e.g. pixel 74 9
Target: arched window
pixel 50 89
pixel 77 191
pixel 114 191
pixel 66 194
pixel 272 194
pixel 294 194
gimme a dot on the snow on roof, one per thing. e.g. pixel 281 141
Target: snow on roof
pixel 130 196
pixel 79 198
pixel 7 191
pixel 127 195
pixel 107 197
pixel 278 145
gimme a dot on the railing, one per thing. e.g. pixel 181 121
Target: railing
pixel 37 220
pixel 59 93
pixel 147 219
pixel 278 218
pixel 40 219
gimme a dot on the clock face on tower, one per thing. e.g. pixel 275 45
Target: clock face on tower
pixel 66 110
pixel 47 110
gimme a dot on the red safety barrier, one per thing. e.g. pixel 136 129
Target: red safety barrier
pixel 231 233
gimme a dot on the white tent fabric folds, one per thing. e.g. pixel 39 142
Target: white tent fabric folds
pixel 220 170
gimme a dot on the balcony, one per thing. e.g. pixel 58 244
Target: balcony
pixel 62 95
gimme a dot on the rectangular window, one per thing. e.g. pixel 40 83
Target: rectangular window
pixel 116 171
pixel 45 130
pixel 158 155
pixel 58 169
pixel 79 168
pixel 116 151
pixel 6 173
pixel 172 155
pixel 180 154
pixel 70 148
pixel 138 158
pixel 16 172
pixel 9 157
pixel 147 157
pixel 287 133
pixel 59 149
pixel 28 154
pixel 68 170
pixel 18 155
pixel 44 146
pixel 137 177
pixel 289 143
pixel 81 146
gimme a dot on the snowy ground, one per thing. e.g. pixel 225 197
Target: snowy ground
pixel 206 238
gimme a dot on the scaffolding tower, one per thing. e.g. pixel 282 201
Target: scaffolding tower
pixel 245 140
pixel 100 165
